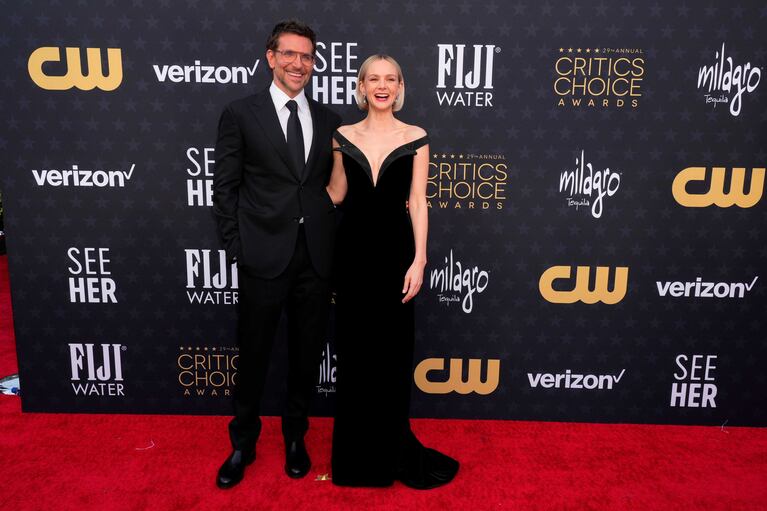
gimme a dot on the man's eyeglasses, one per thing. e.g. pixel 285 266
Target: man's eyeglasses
pixel 286 56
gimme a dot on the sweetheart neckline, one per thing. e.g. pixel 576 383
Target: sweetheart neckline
pixel 385 160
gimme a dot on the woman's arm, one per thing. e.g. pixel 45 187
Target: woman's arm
pixel 419 217
pixel 337 186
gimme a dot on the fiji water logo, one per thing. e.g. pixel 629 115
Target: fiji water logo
pixel 97 370
pixel 465 77
pixel 457 283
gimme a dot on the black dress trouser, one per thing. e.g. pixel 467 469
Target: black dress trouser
pixel 305 297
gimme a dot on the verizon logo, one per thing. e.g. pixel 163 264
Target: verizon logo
pixel 700 289
pixel 86 178
pixel 199 73
pixel 570 380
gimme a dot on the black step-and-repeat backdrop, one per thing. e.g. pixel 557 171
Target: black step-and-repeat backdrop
pixel 597 236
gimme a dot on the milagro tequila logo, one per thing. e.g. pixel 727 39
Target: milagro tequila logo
pixel 725 82
pixel 457 283
pixel 326 383
pixel 588 188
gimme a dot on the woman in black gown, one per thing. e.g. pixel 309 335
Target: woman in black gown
pixel 380 172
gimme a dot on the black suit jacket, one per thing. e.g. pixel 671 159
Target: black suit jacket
pixel 258 198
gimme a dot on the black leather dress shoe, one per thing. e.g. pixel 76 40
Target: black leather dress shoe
pixel 233 469
pixel 297 462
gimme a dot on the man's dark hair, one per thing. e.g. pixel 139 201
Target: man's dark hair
pixel 291 26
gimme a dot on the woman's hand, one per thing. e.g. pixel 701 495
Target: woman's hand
pixel 413 280
pixel 337 186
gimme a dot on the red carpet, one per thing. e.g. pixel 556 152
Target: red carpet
pixel 8 364
pixel 111 462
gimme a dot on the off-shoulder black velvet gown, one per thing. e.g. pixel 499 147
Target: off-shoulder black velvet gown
pixel 373 444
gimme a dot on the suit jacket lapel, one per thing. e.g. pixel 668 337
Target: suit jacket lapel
pixel 266 116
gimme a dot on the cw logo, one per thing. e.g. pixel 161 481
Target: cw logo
pixel 455 381
pixel 582 292
pixel 736 195
pixel 74 76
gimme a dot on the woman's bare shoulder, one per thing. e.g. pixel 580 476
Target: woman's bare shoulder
pixel 413 132
pixel 348 129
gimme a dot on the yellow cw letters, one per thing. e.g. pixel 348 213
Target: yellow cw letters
pixel 74 76
pixel 581 292
pixel 736 196
pixel 455 382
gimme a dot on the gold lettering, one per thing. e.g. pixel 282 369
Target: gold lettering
pixel 455 381
pixel 556 65
pixel 74 76
pixel 581 291
pixel 716 195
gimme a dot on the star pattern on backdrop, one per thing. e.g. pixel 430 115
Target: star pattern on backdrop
pixel 147 224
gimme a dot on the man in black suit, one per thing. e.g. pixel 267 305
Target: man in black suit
pixel 273 160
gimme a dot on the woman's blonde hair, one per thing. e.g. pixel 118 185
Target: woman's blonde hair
pixel 361 100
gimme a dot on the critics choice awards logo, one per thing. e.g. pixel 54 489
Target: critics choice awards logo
pixel 586 187
pixel 207 371
pixel 465 74
pixel 598 77
pixel 467 181
pixel 726 83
